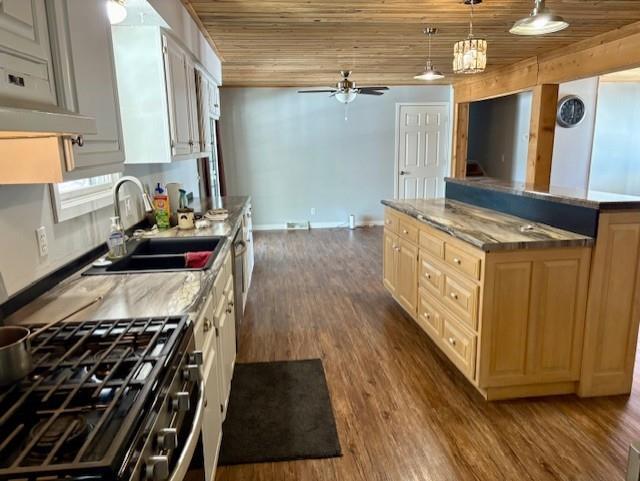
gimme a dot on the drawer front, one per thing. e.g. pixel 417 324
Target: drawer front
pixel 462 298
pixel 408 230
pixel 432 244
pixel 462 261
pixel 459 346
pixel 390 221
pixel 431 278
pixel 429 318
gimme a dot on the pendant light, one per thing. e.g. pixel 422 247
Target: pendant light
pixel 116 11
pixel 540 21
pixel 430 73
pixel 470 54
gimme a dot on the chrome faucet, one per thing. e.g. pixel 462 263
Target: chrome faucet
pixel 148 207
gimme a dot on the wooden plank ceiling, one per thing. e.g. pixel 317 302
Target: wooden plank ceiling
pixel 306 42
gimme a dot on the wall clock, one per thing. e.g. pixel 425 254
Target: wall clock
pixel 571 111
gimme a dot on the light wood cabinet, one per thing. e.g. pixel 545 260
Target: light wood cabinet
pixel 511 321
pixel 86 82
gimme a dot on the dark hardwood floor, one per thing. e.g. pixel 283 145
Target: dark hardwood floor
pixel 403 412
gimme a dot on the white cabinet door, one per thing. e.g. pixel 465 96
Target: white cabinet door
pixel 214 100
pixel 84 63
pixel 228 336
pixel 25 53
pixel 194 124
pixel 175 64
pixel 249 256
pixel 212 417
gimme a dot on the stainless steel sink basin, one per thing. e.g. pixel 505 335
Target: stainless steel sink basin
pixel 161 255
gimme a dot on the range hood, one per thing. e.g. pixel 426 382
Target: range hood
pixel 25 119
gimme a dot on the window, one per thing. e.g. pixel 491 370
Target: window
pixel 78 197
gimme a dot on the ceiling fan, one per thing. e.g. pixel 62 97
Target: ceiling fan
pixel 346 90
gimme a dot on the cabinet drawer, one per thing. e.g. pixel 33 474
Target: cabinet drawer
pixel 429 318
pixel 408 230
pixel 462 261
pixel 432 244
pixel 462 298
pixel 390 221
pixel 459 346
pixel 431 278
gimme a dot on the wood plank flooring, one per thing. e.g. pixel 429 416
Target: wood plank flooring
pixel 403 412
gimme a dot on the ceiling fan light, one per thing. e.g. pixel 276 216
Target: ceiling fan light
pixel 540 22
pixel 346 97
pixel 116 11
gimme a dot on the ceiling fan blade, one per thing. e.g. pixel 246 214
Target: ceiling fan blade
pixel 315 91
pixel 370 92
pixel 374 88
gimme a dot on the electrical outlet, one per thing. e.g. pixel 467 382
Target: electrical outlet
pixel 41 236
pixel 313 211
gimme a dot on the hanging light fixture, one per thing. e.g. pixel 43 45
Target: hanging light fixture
pixel 116 11
pixel 540 21
pixel 470 54
pixel 430 73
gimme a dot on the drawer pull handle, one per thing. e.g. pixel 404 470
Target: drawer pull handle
pixel 454 296
pixel 457 261
pixel 452 341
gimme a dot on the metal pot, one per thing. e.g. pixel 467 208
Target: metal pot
pixel 15 354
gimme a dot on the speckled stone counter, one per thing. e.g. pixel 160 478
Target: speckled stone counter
pixel 136 295
pixel 487 229
pixel 585 198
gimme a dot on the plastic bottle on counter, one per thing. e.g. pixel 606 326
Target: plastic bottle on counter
pixel 116 240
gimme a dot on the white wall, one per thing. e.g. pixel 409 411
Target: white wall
pixel 293 152
pixel 615 163
pixel 499 136
pixel 572 146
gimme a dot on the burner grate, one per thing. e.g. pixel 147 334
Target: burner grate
pixel 86 397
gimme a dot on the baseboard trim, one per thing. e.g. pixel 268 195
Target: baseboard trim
pixel 318 225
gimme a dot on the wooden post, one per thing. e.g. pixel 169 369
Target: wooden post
pixel 541 135
pixel 460 140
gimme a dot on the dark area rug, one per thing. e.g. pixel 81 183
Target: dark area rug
pixel 279 411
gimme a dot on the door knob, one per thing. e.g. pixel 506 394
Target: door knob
pixel 403 172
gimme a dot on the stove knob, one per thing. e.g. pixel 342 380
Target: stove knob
pixel 181 402
pixel 167 438
pixel 191 372
pixel 197 358
pixel 157 468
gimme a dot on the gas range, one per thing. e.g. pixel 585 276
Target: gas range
pixel 107 400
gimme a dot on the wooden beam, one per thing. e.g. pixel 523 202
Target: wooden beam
pixel 460 140
pixel 541 135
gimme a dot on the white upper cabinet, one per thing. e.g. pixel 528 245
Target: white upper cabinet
pixel 159 103
pixel 25 53
pixel 86 81
pixel 214 99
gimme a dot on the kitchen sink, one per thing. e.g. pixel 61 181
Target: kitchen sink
pixel 161 255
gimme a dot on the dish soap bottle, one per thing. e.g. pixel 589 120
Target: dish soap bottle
pixel 116 240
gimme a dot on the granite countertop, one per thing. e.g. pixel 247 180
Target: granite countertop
pixel 487 229
pixel 581 197
pixel 136 295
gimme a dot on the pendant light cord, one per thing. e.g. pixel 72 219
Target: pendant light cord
pixel 471 20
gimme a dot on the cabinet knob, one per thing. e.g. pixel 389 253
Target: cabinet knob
pixel 428 276
pixel 457 261
pixel 454 296
pixel 427 316
pixel 405 231
pixel 78 140
pixel 452 341
pixel 206 325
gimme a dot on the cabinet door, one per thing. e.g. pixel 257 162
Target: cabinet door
pixel 389 257
pixel 25 63
pixel 175 65
pixel 221 319
pixel 212 417
pixel 214 100
pixel 85 68
pixel 229 335
pixel 407 272
pixel 194 122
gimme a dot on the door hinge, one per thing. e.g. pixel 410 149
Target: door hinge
pixel 217 332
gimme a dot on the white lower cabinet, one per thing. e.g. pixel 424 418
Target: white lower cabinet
pixel 215 336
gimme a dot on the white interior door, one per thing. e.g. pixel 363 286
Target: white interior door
pixel 422 150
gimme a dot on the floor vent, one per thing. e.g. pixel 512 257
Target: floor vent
pixel 298 225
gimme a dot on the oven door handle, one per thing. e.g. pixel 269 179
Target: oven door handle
pixel 183 462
